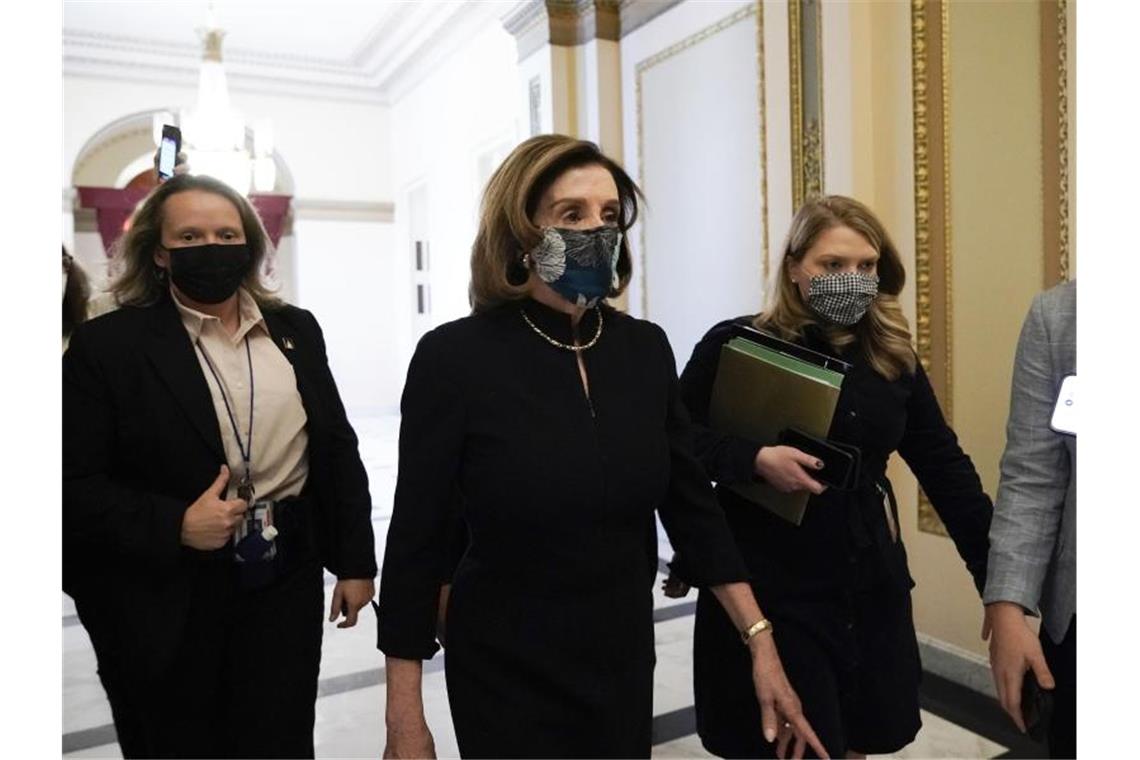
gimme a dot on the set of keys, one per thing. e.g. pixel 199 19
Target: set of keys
pixel 245 488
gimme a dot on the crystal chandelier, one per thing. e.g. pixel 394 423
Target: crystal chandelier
pixel 214 134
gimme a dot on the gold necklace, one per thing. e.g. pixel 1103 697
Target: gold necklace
pixel 553 342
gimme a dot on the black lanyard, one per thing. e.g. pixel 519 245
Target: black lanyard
pixel 245 487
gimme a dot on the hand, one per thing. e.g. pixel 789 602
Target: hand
pixel 348 597
pixel 780 711
pixel 415 742
pixel 674 587
pixel 1014 649
pixel 786 469
pixel 210 521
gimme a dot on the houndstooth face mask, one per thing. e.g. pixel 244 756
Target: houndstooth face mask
pixel 842 297
pixel 580 265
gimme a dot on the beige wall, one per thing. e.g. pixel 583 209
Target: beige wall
pixel 996 211
pixel 996 236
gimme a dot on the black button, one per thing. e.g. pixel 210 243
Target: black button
pixel 851 413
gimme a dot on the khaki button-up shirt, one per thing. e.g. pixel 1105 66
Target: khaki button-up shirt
pixel 279 461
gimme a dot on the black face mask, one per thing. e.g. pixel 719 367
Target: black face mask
pixel 209 273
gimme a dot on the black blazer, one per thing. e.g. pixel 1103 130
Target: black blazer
pixel 844 537
pixel 141 442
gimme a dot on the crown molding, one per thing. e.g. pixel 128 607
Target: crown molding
pixel 438 43
pixel 397 53
pixel 568 23
pixel 146 62
pixel 637 13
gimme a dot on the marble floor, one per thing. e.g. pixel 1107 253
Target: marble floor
pixel 350 707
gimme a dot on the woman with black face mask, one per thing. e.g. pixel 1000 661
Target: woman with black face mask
pixel 836 586
pixel 548 425
pixel 209 472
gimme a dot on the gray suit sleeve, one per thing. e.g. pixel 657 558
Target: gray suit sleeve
pixel 1034 475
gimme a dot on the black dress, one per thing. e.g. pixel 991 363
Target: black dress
pixel 549 624
pixel 837 587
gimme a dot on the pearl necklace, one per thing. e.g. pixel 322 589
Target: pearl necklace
pixel 553 342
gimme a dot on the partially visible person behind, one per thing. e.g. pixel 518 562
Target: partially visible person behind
pixel 209 472
pixel 76 292
pixel 1033 539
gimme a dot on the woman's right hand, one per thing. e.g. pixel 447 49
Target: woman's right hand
pixel 786 469
pixel 781 713
pixel 411 742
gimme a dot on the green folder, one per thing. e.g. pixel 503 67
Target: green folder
pixel 758 393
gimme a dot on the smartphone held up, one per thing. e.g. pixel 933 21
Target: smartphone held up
pixel 168 151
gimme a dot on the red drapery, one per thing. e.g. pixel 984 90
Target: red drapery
pixel 113 206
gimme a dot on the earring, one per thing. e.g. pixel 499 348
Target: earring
pixel 160 274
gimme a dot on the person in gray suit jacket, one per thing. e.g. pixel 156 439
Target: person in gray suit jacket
pixel 1033 549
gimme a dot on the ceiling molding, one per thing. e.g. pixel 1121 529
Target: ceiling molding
pixel 638 13
pixel 393 56
pixel 238 82
pixel 193 52
pixel 460 25
pixel 566 23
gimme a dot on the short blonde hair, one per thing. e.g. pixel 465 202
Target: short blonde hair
pixel 139 283
pixel 883 334
pixel 506 230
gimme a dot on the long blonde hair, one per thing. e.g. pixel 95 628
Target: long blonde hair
pixel 883 334
pixel 140 283
pixel 509 203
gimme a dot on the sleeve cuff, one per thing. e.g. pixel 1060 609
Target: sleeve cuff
pixel 995 592
pixel 355 572
pixel 742 459
pixel 401 643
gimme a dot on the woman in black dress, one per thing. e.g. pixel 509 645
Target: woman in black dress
pixel 837 586
pixel 551 426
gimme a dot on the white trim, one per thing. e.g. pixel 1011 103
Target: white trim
pixel 398 53
pixel 326 209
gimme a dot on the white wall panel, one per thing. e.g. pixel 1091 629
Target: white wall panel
pixel 345 275
pixel 695 144
pixel 463 110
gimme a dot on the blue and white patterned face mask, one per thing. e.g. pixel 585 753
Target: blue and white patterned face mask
pixel 579 265
pixel 842 297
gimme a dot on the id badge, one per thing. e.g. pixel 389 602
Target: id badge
pixel 1064 418
pixel 257 519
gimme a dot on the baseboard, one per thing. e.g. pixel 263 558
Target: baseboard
pixel 956 664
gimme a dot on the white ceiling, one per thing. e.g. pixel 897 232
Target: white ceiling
pixel 330 48
pixel 293 28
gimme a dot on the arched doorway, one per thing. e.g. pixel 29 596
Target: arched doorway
pixel 119 157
